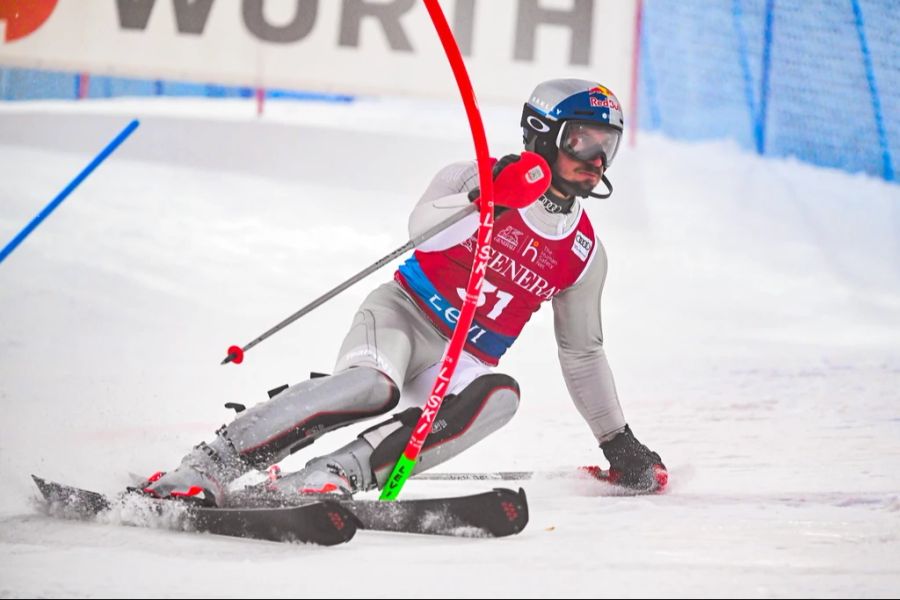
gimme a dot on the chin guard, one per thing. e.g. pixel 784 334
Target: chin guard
pixel 609 188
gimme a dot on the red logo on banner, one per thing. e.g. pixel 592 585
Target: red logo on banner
pixel 24 17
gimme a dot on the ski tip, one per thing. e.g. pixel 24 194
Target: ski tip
pixel 40 482
pixel 42 487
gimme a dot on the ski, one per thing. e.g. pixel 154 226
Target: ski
pixel 590 472
pixel 497 513
pixel 323 522
pixel 253 513
pixel 587 472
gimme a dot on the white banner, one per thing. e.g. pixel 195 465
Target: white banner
pixel 345 46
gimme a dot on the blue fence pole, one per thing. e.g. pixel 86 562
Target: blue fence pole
pixel 764 79
pixel 888 165
pixel 104 154
pixel 648 75
pixel 737 15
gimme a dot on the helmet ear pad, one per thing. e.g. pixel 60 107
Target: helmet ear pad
pixel 539 134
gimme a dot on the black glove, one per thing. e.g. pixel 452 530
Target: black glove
pixel 505 162
pixel 633 464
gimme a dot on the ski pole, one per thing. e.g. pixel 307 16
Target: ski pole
pixel 236 353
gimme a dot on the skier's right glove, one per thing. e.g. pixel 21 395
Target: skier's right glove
pixel 519 180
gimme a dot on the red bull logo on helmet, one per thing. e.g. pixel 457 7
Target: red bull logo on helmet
pixel 609 100
pixel 599 89
pixel 605 103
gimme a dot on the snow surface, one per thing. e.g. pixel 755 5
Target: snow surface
pixel 751 313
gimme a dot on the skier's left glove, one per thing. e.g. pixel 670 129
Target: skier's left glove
pixel 519 180
pixel 634 465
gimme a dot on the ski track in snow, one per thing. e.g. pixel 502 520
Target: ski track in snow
pixel 751 318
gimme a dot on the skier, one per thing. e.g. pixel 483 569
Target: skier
pixel 544 248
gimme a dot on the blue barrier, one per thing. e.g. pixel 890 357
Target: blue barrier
pixel 816 80
pixel 29 84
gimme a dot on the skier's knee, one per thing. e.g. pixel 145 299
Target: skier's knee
pixel 379 384
pixel 484 406
pixel 493 397
pixel 293 418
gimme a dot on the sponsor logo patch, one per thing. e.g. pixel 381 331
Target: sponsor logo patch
pixel 534 174
pixel 582 246
pixel 509 237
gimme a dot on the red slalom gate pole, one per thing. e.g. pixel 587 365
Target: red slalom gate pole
pixel 407 461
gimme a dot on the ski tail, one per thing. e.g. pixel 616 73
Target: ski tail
pixel 497 513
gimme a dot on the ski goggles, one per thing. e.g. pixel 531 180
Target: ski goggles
pixel 588 141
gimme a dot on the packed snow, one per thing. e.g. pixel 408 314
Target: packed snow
pixel 751 319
